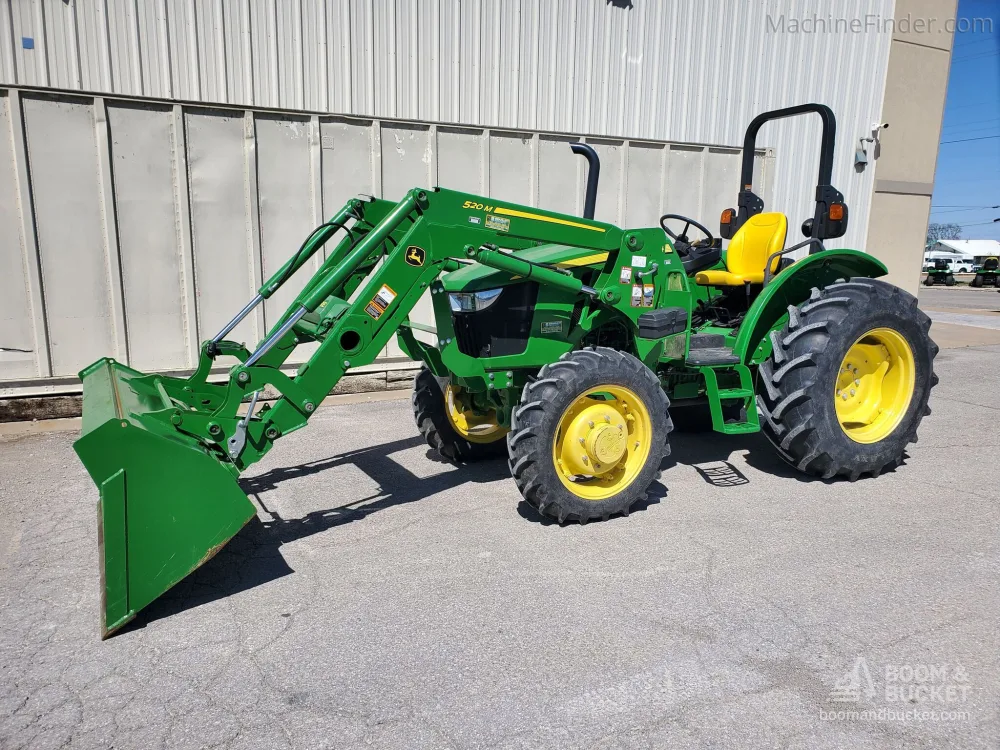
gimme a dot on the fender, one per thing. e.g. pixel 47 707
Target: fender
pixel 791 287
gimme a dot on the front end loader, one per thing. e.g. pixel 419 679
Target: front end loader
pixel 559 342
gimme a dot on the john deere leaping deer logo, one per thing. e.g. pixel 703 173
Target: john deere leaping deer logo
pixel 415 255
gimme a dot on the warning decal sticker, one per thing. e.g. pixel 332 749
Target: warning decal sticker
pixel 497 223
pixel 380 302
pixel 647 295
pixel 626 275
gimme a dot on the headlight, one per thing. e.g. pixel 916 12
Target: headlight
pixel 466 302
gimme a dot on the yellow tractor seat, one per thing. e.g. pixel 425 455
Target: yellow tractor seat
pixel 760 237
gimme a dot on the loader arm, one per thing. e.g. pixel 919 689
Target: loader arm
pixel 165 452
pixel 354 304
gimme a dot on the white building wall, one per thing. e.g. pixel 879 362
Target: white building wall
pixel 295 105
pixel 667 70
pixel 136 228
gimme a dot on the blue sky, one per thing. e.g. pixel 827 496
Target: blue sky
pixel 967 183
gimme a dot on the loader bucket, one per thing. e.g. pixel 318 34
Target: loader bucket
pixel 167 503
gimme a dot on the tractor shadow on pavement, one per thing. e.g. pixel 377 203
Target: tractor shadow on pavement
pixel 704 450
pixel 253 558
pixel 711 455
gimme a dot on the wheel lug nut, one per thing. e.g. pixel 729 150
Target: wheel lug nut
pixel 582 441
pixel 852 391
pixel 857 382
pixel 585 460
pixel 607 419
pixel 844 397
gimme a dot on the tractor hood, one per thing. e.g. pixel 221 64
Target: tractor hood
pixel 475 276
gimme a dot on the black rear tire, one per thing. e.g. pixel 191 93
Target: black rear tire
pixel 536 424
pixel 796 400
pixel 949 280
pixel 977 282
pixel 432 421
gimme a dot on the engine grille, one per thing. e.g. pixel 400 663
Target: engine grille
pixel 502 328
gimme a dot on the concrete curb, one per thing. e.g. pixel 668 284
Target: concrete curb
pixel 26 409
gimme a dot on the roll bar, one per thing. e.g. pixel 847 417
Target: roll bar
pixel 826 147
pixel 824 225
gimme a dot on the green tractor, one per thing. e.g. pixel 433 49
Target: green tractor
pixel 988 275
pixel 560 342
pixel 939 273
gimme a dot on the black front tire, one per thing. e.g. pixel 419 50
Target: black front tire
pixel 796 400
pixel 536 423
pixel 432 420
pixel 977 282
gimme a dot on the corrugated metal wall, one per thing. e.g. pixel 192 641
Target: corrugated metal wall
pixel 136 228
pixel 668 70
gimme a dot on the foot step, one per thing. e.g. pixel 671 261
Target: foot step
pixel 726 393
pixel 720 355
pixel 707 341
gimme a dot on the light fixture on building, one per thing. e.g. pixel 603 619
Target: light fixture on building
pixel 861 155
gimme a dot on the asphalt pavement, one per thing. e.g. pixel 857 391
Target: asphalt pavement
pixel 963 316
pixel 985 299
pixel 385 599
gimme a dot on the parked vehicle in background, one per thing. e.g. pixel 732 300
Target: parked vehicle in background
pixel 939 273
pixel 954 262
pixel 988 274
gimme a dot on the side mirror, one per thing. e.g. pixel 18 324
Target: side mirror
pixel 833 221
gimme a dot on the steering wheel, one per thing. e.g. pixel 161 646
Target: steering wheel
pixel 682 238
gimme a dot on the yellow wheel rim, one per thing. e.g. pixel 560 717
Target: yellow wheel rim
pixel 476 428
pixel 602 442
pixel 875 385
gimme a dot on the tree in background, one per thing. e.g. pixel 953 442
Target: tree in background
pixel 938 232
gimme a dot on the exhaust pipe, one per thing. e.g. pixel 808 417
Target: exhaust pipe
pixel 593 175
